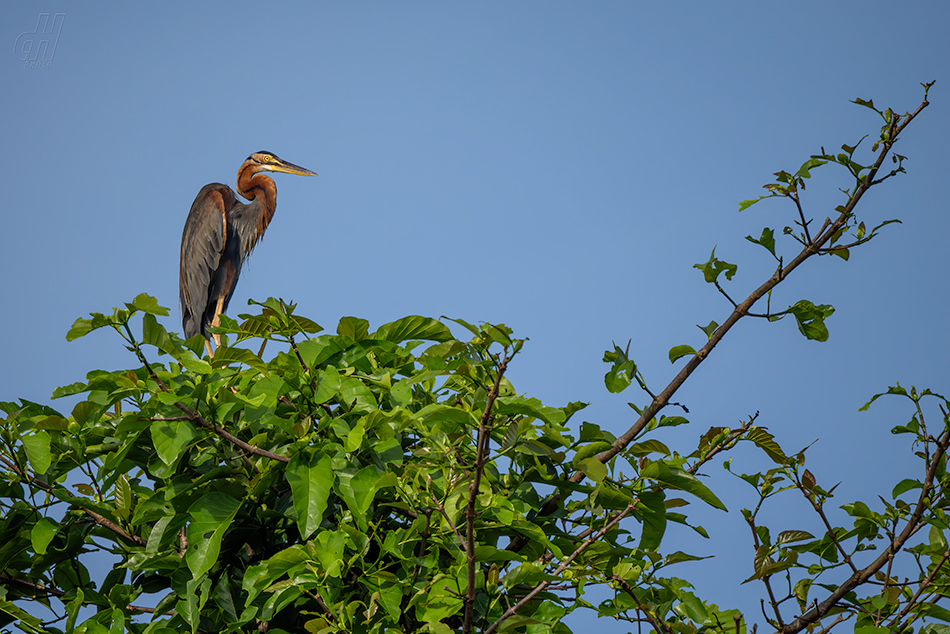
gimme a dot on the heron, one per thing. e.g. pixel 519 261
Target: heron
pixel 219 234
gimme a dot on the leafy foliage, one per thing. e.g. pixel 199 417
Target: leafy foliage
pixel 395 481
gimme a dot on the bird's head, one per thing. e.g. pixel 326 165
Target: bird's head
pixel 270 162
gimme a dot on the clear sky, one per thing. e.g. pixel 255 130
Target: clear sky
pixel 556 166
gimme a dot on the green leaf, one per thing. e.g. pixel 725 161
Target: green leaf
pixel 69 390
pixel 311 480
pixel 894 389
pixel 811 319
pixel 42 534
pixel 589 450
pixel 83 410
pixel 211 514
pixel 191 362
pixel 671 421
pixel 692 608
pixel 355 436
pixel 709 329
pixel 679 479
pixel 801 592
pixel 485 552
pixel 529 407
pixel 766 442
pixel 714 267
pixel 8 611
pixel 122 495
pixel 652 509
pixel 511 435
pixel 438 415
pixel 621 373
pixel 906 485
pixel 195 597
pixel 329 550
pixel 302 324
pixel 593 468
pixel 677 352
pixel 37 451
pixel 358 489
pixel 171 438
pixel 223 598
pixel 226 355
pixel 866 103
pixel 153 333
pixel 647 447
pixel 80 328
pixel 788 537
pixel 810 164
pixel 355 394
pixel 72 609
pixel 328 384
pixel 258 578
pixel 528 574
pixel 679 557
pixel 148 304
pixel 353 327
pixel 767 240
pixel 472 328
pixel 414 327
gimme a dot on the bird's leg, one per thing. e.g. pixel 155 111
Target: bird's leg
pixel 218 309
pixel 208 348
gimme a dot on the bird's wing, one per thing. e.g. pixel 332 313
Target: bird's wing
pixel 202 243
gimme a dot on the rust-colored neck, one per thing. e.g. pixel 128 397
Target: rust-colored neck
pixel 260 189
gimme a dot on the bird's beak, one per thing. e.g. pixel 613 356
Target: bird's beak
pixel 290 168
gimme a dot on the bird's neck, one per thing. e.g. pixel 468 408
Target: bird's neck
pixel 259 189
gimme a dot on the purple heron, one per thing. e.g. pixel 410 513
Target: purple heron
pixel 219 235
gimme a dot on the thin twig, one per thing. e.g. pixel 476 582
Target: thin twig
pixel 56 592
pixel 860 577
pixel 481 457
pixel 257 451
pixel 650 618
pixel 801 214
pixel 765 578
pixel 913 601
pixel 98 519
pixel 819 508
pixel 449 520
pixel 723 444
pixel 564 564
pixel 323 606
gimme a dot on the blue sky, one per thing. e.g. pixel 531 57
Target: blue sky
pixel 554 166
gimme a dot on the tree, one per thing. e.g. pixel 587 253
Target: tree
pixel 395 480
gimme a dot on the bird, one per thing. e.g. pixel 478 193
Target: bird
pixel 220 233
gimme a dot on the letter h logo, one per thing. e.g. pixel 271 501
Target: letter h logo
pixel 28 49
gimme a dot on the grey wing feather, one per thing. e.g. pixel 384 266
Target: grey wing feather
pixel 202 244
